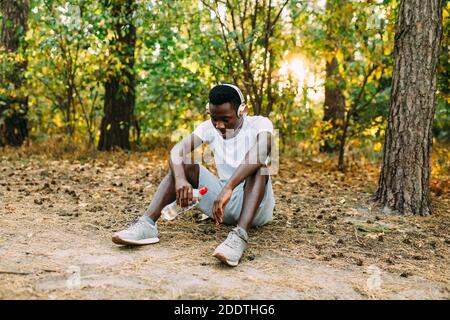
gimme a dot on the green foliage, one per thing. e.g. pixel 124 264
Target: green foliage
pixel 172 86
pixel 182 50
pixel 65 59
pixel 441 128
pixel 360 36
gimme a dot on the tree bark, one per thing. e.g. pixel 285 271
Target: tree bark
pixel 334 107
pixel 120 87
pixel 13 107
pixel 404 184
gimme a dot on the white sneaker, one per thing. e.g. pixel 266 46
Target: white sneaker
pixel 230 251
pixel 140 233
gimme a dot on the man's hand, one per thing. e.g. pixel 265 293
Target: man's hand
pixel 220 203
pixel 183 191
pixel 183 188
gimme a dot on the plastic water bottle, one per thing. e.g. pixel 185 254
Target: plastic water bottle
pixel 171 211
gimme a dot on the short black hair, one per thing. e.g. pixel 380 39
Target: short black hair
pixel 221 94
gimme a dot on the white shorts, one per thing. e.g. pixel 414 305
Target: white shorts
pixel 233 208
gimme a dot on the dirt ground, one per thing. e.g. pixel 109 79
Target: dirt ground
pixel 328 240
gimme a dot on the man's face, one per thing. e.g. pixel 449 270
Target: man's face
pixel 223 117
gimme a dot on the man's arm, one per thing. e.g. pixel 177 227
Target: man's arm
pixel 178 155
pixel 254 159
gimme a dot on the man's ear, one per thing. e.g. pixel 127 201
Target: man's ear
pixel 207 109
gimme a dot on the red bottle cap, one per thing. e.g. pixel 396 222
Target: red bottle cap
pixel 203 190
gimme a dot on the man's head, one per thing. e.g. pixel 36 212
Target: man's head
pixel 224 101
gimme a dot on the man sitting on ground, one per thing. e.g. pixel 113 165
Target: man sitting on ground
pixel 241 196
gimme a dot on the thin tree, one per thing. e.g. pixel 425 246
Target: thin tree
pixel 404 184
pixel 120 83
pixel 334 105
pixel 13 100
pixel 247 30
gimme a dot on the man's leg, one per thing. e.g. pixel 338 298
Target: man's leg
pixel 254 189
pixel 231 250
pixel 144 231
pixel 165 193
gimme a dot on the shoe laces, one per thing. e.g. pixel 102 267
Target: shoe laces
pixel 136 225
pixel 234 240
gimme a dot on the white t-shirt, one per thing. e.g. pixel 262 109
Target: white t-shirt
pixel 229 153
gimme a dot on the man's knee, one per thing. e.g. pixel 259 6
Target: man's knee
pixel 259 175
pixel 192 171
pixel 188 167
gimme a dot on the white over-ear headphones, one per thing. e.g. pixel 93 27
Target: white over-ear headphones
pixel 241 109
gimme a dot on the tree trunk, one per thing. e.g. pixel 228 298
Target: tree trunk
pixel 13 107
pixel 119 88
pixel 404 184
pixel 334 107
